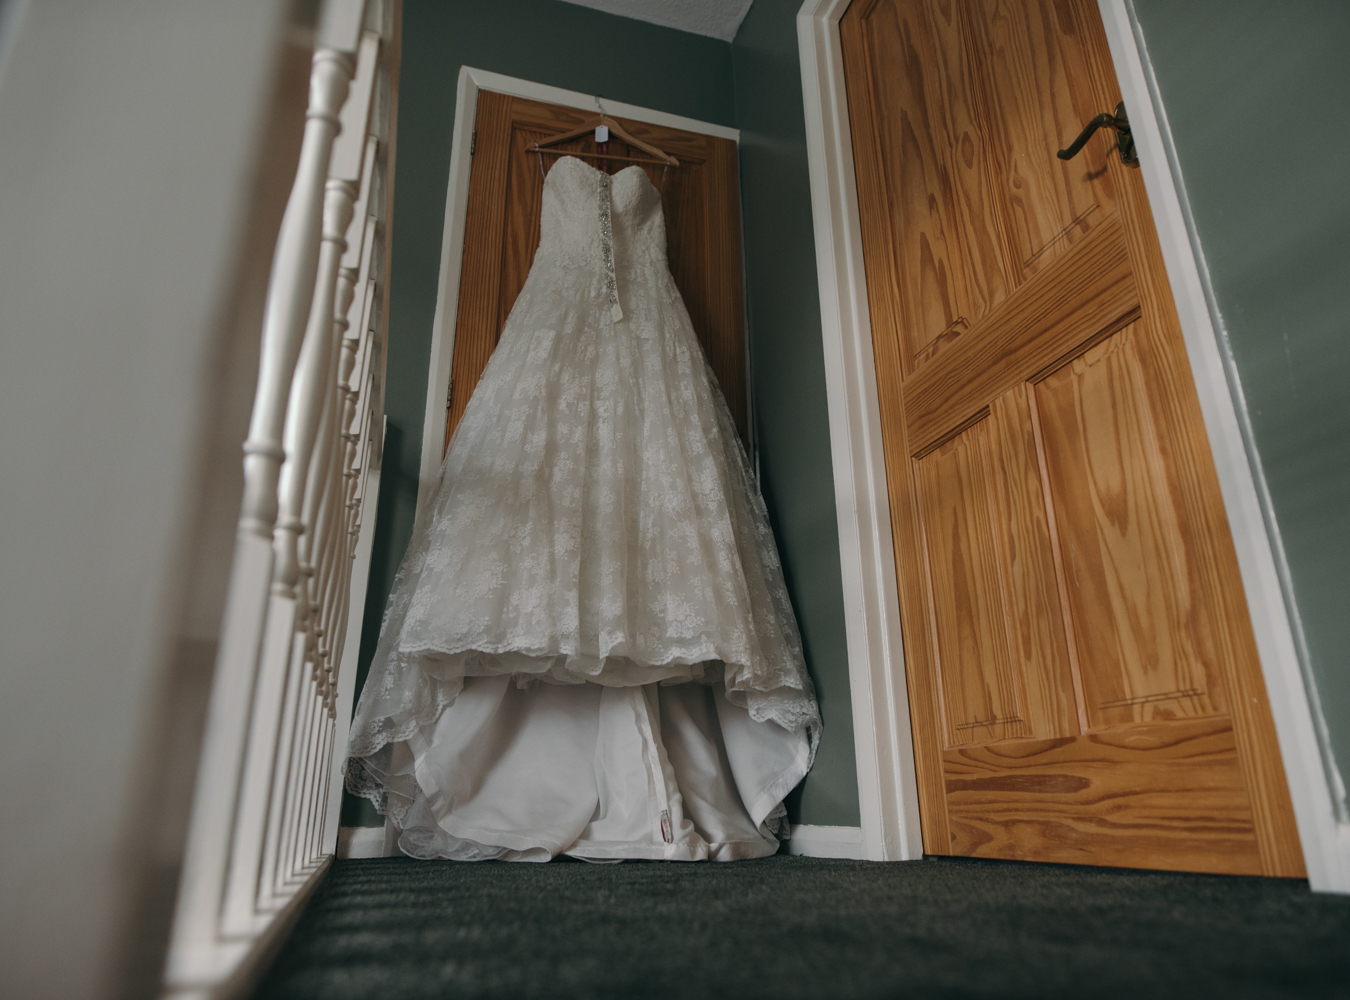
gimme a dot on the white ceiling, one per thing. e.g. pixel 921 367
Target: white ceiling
pixel 714 18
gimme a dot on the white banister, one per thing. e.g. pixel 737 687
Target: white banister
pixel 290 294
pixel 268 791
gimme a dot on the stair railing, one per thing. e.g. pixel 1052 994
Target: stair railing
pixel 265 809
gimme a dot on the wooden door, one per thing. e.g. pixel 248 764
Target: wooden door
pixel 703 231
pixel 1083 679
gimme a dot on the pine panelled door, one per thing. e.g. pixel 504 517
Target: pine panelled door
pixel 501 234
pixel 1083 678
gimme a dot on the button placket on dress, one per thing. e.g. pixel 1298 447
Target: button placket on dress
pixel 607 247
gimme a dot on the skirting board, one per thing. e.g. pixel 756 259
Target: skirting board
pixel 826 841
pixel 361 842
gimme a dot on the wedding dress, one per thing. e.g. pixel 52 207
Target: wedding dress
pixel 589 648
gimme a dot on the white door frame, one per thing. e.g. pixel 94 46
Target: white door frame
pixel 471 81
pixel 886 776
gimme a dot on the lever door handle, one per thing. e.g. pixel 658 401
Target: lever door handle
pixel 1124 138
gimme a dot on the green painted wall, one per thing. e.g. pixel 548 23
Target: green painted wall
pixel 788 382
pixel 625 60
pixel 1254 93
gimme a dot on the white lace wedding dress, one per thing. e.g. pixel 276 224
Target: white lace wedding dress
pixel 589 649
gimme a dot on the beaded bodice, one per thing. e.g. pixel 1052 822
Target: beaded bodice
pixel 613 225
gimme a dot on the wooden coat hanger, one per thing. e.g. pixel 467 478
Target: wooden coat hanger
pixel 617 130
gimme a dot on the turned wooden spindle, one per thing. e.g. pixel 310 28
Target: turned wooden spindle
pixel 290 293
pixel 312 372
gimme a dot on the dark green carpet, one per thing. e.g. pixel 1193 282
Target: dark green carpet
pixel 792 927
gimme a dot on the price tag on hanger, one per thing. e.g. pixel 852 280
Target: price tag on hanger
pixel 602 133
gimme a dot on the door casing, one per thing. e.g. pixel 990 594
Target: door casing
pixel 887 784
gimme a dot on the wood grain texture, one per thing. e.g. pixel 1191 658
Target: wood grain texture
pixel 723 338
pixel 1067 581
pixel 981 684
pixel 1081 295
pixel 480 276
pixel 1000 650
pixel 1040 90
pixel 1165 796
pixel 890 342
pixel 702 208
pixel 1200 502
pixel 1144 650
pixel 913 121
pixel 1033 606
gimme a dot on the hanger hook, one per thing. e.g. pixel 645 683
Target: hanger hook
pixel 600 106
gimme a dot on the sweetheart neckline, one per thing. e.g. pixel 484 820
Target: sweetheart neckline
pixel 597 170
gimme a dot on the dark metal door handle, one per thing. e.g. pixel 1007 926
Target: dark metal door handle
pixel 1124 139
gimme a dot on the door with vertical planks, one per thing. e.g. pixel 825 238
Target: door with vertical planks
pixel 1083 679
pixel 701 200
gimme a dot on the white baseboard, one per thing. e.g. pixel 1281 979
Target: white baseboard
pixel 826 841
pixel 361 842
